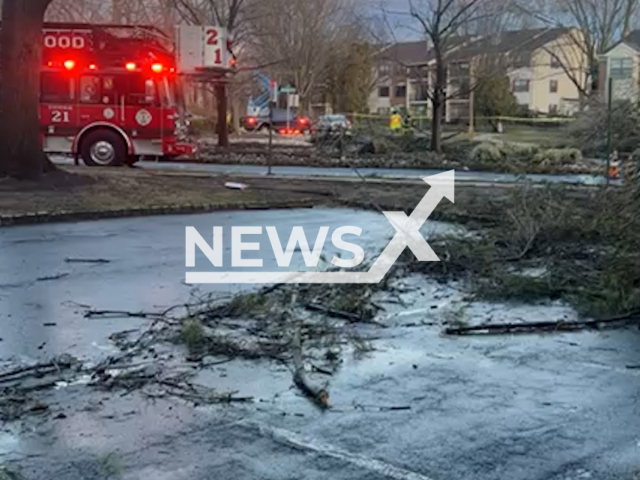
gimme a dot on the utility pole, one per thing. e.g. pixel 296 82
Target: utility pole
pixel 273 102
pixel 472 102
pixel 609 126
pixel 472 127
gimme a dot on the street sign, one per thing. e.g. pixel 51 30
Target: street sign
pixel 201 48
pixel 288 89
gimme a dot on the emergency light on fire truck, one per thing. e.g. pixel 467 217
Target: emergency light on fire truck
pixel 111 94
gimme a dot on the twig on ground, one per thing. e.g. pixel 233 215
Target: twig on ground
pixel 559 326
pixel 52 277
pixel 321 370
pixel 121 314
pixel 351 317
pixel 87 260
pixel 319 395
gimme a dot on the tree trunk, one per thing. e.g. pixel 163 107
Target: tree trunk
pixel 21 153
pixel 437 103
pixel 223 128
pixel 234 97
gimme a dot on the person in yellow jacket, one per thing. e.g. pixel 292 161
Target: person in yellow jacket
pixel 395 122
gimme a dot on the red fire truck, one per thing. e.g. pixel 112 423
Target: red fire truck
pixel 111 94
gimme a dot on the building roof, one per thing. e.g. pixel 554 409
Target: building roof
pixel 633 40
pixel 519 42
pixel 406 53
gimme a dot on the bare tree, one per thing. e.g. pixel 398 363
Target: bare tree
pixel 442 21
pixel 597 26
pixel 299 38
pixel 20 63
pixel 150 12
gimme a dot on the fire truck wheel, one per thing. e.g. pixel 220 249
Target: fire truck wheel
pixel 103 148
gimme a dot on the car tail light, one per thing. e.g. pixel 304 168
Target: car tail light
pixel 130 66
pixel 303 121
pixel 157 68
pixel 251 121
pixel 70 64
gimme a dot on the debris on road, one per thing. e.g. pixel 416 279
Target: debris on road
pixel 319 395
pixel 236 186
pixel 536 327
pixel 53 277
pixel 119 314
pixel 87 260
pixel 333 312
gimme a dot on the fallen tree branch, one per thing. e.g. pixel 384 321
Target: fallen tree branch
pixel 87 260
pixel 121 314
pixel 351 317
pixel 559 326
pixel 319 395
pixel 52 277
pixel 56 365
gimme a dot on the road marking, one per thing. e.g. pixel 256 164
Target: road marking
pixel 294 440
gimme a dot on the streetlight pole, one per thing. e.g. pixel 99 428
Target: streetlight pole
pixel 609 126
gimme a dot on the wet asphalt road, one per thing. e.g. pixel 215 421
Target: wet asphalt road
pixel 548 407
pixel 146 271
pixel 402 173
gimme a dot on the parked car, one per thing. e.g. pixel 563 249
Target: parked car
pixel 283 122
pixel 333 123
pixel 331 126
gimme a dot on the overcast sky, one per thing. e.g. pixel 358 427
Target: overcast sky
pixel 396 15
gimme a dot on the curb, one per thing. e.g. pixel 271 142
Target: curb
pixel 65 216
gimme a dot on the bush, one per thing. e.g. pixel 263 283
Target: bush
pixel 590 130
pixel 486 153
pixel 557 156
pixel 458 149
pixel 527 151
pixel 199 126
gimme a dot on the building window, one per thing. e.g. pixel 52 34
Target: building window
pixel 553 109
pixel 401 91
pixel 384 70
pixel 553 86
pixel 422 93
pixel 383 92
pixel 555 62
pixel 621 68
pixel 520 86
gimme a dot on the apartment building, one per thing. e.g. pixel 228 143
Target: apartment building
pixel 620 68
pixel 544 66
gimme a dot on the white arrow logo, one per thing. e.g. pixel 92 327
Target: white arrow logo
pixel 407 236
